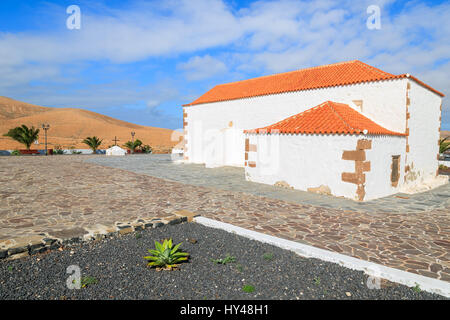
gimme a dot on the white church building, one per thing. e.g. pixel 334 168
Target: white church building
pixel 348 128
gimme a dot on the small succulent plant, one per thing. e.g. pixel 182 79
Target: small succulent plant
pixel 268 256
pixel 227 259
pixel 87 281
pixel 165 256
pixel 317 280
pixel 248 288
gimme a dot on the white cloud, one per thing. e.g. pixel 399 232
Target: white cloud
pixel 265 37
pixel 198 68
pixel 279 35
pixel 164 91
pixel 15 76
pixel 128 35
pixel 411 41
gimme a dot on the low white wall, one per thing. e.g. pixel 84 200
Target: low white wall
pixel 83 151
pixel 444 163
pixel 376 271
pixel 66 151
pixel 308 161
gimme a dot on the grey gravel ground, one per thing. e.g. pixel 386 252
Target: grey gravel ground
pixel 121 272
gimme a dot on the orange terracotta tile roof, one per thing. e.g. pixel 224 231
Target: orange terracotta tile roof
pixel 327 118
pixel 338 74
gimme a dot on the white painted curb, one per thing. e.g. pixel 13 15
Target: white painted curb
pixel 372 269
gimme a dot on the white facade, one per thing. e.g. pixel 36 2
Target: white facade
pixel 214 136
pixel 424 131
pixel 209 124
pixel 305 161
pixel 378 179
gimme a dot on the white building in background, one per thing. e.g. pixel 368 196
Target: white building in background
pixel 115 151
pixel 351 129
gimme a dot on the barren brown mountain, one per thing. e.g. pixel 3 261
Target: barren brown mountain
pixel 69 126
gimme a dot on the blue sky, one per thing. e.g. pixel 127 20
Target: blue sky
pixel 139 61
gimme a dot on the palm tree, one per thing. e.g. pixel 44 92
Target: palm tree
pixel 24 135
pixel 133 145
pixel 444 145
pixel 93 143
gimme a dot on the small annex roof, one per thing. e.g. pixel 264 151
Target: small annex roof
pixel 327 118
pixel 338 74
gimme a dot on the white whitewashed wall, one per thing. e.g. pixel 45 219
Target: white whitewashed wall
pixel 423 133
pixel 378 179
pixel 383 102
pixel 309 161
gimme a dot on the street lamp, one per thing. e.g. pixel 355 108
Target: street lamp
pixel 45 127
pixel 132 136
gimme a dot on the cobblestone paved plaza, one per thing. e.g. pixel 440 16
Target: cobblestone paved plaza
pixel 69 194
pixel 232 178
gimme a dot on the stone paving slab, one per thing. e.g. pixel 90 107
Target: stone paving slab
pixel 50 194
pixel 50 202
pixel 232 179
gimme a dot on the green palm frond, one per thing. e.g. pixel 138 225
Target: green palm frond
pixel 93 143
pixel 133 145
pixel 444 145
pixel 24 135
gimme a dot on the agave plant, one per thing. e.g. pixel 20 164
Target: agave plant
pixel 24 135
pixel 93 143
pixel 166 256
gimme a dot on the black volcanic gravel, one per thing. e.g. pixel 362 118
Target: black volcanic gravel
pixel 117 264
